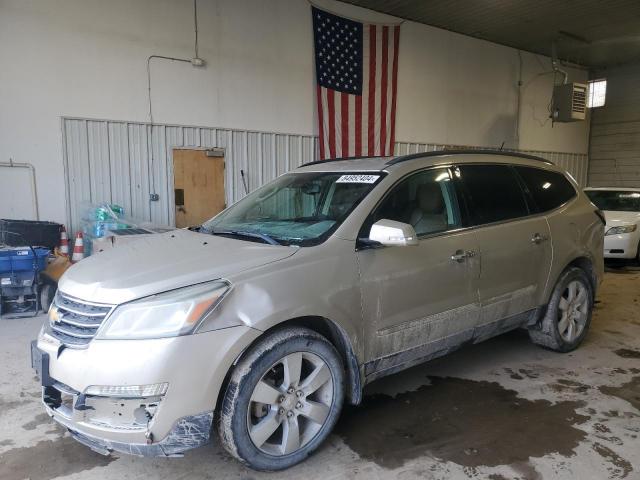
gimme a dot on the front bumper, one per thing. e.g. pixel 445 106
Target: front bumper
pixel 624 246
pixel 194 366
pixel 189 432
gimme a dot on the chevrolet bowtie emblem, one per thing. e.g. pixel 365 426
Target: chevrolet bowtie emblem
pixel 54 315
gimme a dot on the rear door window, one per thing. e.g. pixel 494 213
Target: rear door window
pixel 548 189
pixel 494 193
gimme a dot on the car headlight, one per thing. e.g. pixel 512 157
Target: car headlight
pixel 168 314
pixel 621 229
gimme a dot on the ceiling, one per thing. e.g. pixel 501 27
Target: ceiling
pixel 593 33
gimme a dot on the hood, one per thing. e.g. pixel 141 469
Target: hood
pixel 616 218
pixel 158 263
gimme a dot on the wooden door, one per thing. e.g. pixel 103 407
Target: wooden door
pixel 198 182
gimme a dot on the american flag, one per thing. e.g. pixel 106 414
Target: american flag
pixel 356 76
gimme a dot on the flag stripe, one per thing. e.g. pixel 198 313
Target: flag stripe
pixel 372 91
pixel 383 89
pixel 363 133
pixel 389 77
pixel 351 99
pixel 320 122
pixel 394 87
pixel 358 126
pixel 378 95
pixel 344 111
pixel 332 123
pixel 325 108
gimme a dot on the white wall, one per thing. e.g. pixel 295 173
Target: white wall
pixel 87 58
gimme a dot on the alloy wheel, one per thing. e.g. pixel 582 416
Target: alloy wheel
pixel 573 311
pixel 290 403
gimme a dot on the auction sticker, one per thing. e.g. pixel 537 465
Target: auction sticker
pixel 358 179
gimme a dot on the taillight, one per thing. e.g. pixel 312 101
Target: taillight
pixel 600 215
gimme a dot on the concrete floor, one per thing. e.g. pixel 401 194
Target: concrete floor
pixel 504 409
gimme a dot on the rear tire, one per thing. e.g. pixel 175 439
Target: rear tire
pixel 568 314
pixel 283 399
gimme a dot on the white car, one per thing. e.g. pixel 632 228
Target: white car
pixel 621 208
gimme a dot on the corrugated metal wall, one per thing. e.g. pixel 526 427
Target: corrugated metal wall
pixel 614 147
pixel 111 161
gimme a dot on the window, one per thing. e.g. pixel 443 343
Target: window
pixel 494 192
pixel 597 93
pixel 426 200
pixel 615 200
pixel 296 208
pixel 548 189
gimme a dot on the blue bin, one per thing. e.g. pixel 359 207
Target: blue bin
pixel 22 259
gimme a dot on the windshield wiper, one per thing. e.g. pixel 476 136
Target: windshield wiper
pixel 238 233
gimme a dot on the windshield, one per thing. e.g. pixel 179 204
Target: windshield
pixel 615 200
pixel 296 208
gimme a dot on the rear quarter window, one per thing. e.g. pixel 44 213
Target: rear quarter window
pixel 548 189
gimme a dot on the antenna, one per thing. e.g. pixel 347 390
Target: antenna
pixel 244 182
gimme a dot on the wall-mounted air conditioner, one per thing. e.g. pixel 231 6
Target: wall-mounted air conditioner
pixel 570 102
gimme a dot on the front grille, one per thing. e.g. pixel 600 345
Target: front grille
pixel 76 322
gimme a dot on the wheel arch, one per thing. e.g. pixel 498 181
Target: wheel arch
pixel 586 264
pixel 336 336
pixel 583 262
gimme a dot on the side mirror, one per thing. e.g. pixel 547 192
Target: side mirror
pixel 393 234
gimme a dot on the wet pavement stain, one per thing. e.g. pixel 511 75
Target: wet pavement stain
pixel 471 423
pixel 531 374
pixel 6 405
pixel 614 332
pixel 627 353
pixel 564 385
pixel 621 468
pixel 599 427
pixel 39 419
pixel 629 391
pixel 49 459
pixel 513 375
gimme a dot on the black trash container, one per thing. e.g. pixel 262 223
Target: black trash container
pixel 16 233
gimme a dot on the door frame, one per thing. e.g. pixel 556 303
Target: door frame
pixel 171 177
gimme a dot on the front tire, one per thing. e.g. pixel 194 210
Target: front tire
pixel 283 399
pixel 568 313
pixel 47 291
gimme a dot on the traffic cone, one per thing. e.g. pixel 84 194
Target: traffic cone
pixel 78 249
pixel 64 242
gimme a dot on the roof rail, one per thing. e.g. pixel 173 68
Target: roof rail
pixel 466 151
pixel 328 160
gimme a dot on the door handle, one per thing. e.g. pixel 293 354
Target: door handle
pixel 461 255
pixel 538 239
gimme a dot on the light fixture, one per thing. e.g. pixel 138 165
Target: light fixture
pixel 127 391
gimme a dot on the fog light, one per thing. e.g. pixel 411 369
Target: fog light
pixel 127 391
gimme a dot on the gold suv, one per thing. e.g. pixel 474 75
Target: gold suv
pixel 270 315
